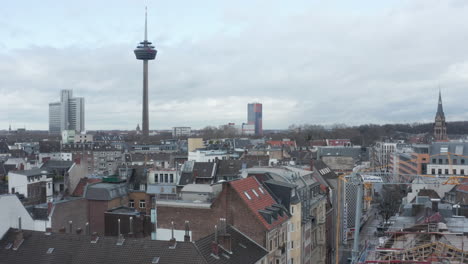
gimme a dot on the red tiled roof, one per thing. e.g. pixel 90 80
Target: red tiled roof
pixel 463 186
pixel 255 203
pixel 79 189
pixel 279 143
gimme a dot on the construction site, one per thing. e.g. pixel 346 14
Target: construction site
pixel 425 227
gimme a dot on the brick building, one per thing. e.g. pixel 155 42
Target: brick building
pixel 245 204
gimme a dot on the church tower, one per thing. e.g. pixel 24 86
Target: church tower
pixel 440 127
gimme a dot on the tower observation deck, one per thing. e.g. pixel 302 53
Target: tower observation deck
pixel 145 51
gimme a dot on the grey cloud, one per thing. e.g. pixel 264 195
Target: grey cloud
pixel 311 67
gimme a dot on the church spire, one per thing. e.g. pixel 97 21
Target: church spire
pixel 440 127
pixel 440 109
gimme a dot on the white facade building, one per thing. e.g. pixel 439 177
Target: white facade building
pixel 181 131
pixel 83 138
pixel 21 182
pixel 201 155
pixel 68 114
pixel 12 208
pixel 64 156
pixel 163 176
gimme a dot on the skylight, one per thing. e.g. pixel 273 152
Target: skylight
pixel 50 250
pixel 155 260
pixel 247 195
pixel 256 194
pixel 261 190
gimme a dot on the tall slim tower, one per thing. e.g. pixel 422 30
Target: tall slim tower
pixel 145 52
pixel 440 127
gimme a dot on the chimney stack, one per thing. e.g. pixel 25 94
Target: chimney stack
pixel 70 224
pixel 224 238
pixel 18 236
pixel 173 241
pixel 120 239
pixel 131 226
pixel 187 232
pixel 79 230
pixel 87 228
pixel 214 244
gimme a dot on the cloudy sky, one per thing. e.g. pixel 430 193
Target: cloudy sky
pixel 316 62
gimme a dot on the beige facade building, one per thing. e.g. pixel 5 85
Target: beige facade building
pixel 195 143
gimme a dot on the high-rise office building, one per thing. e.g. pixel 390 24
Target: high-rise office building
pixel 254 117
pixel 145 51
pixel 68 114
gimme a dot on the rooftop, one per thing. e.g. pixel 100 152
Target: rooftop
pixel 38 247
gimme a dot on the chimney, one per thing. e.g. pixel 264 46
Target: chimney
pixel 94 238
pixel 70 224
pixel 214 244
pixel 79 230
pixel 49 207
pixel 62 230
pixel 131 226
pixel 18 236
pixel 224 238
pixel 120 239
pixel 187 232
pixel 87 228
pixel 173 241
pixel 311 164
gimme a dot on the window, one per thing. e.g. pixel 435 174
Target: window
pixel 171 176
pixel 446 171
pixel 271 244
pixel 161 177
pixel 166 177
pixel 462 161
pixel 462 172
pixel 282 234
pixel 247 195
pixel 291 227
pixel 434 161
pixel 292 244
pixel 131 203
pixel 454 161
pixel 439 171
pixel 433 171
pixel 256 194
pixel 155 177
pixel 142 204
pixel 292 209
pixel 142 187
pixel 440 161
pixel 454 172
pixel 446 161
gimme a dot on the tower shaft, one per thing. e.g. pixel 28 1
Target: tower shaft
pixel 145 122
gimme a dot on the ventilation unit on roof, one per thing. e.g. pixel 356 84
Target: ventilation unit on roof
pixel 155 260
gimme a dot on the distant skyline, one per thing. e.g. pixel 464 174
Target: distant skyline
pixel 315 62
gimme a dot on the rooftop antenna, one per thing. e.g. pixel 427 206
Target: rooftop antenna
pixel 146 15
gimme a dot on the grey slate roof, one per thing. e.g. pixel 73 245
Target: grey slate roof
pixel 105 191
pixel 203 169
pixel 72 248
pixel 32 172
pixel 57 164
pixel 244 250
